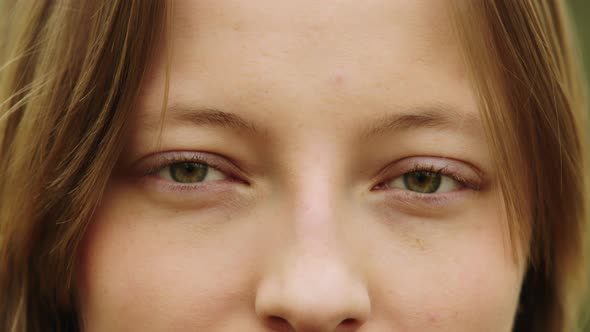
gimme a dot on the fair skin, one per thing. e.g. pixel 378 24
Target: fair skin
pixel 307 220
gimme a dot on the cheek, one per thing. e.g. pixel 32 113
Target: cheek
pixel 473 288
pixel 142 269
pixel 133 266
pixel 461 278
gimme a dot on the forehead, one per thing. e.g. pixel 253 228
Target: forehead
pixel 271 55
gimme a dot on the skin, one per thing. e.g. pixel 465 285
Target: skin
pixel 305 227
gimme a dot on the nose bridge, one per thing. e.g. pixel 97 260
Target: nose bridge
pixel 316 214
pixel 315 186
pixel 314 207
pixel 313 284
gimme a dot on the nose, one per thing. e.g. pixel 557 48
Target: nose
pixel 313 287
pixel 314 280
pixel 312 294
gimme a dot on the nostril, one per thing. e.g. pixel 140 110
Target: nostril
pixel 348 321
pixel 349 324
pixel 277 323
pixel 280 324
pixel 277 320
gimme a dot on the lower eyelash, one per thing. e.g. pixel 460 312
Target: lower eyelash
pixel 202 190
pixel 413 202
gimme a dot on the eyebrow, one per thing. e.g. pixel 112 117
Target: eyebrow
pixel 213 117
pixel 438 116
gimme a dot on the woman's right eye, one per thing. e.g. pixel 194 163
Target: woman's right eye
pixel 190 173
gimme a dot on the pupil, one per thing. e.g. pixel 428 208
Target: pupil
pixel 188 167
pixel 421 177
pixel 188 172
pixel 423 182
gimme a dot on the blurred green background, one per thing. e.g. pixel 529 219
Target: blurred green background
pixel 580 10
pixel 581 13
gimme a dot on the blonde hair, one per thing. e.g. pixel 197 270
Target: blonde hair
pixel 532 101
pixel 69 76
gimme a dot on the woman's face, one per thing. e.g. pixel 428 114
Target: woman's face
pixel 322 167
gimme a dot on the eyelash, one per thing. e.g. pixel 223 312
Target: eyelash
pixel 442 171
pixel 167 160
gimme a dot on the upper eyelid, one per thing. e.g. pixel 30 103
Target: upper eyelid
pixel 156 162
pixel 447 166
pixel 442 171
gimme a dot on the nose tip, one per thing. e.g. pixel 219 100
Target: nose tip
pixel 304 299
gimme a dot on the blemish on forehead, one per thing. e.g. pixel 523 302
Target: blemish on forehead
pixel 433 319
pixel 338 79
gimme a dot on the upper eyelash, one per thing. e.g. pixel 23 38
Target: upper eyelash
pixel 180 157
pixel 431 168
pixel 444 171
pixel 171 159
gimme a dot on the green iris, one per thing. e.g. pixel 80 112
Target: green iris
pixel 188 172
pixel 422 181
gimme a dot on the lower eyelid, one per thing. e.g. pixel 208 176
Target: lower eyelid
pixel 200 188
pixel 418 203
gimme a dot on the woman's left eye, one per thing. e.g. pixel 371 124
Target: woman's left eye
pixel 190 173
pixel 425 182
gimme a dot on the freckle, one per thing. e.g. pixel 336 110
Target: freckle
pixel 238 26
pixel 419 243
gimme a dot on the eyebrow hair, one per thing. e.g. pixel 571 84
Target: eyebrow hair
pixel 213 117
pixel 432 116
